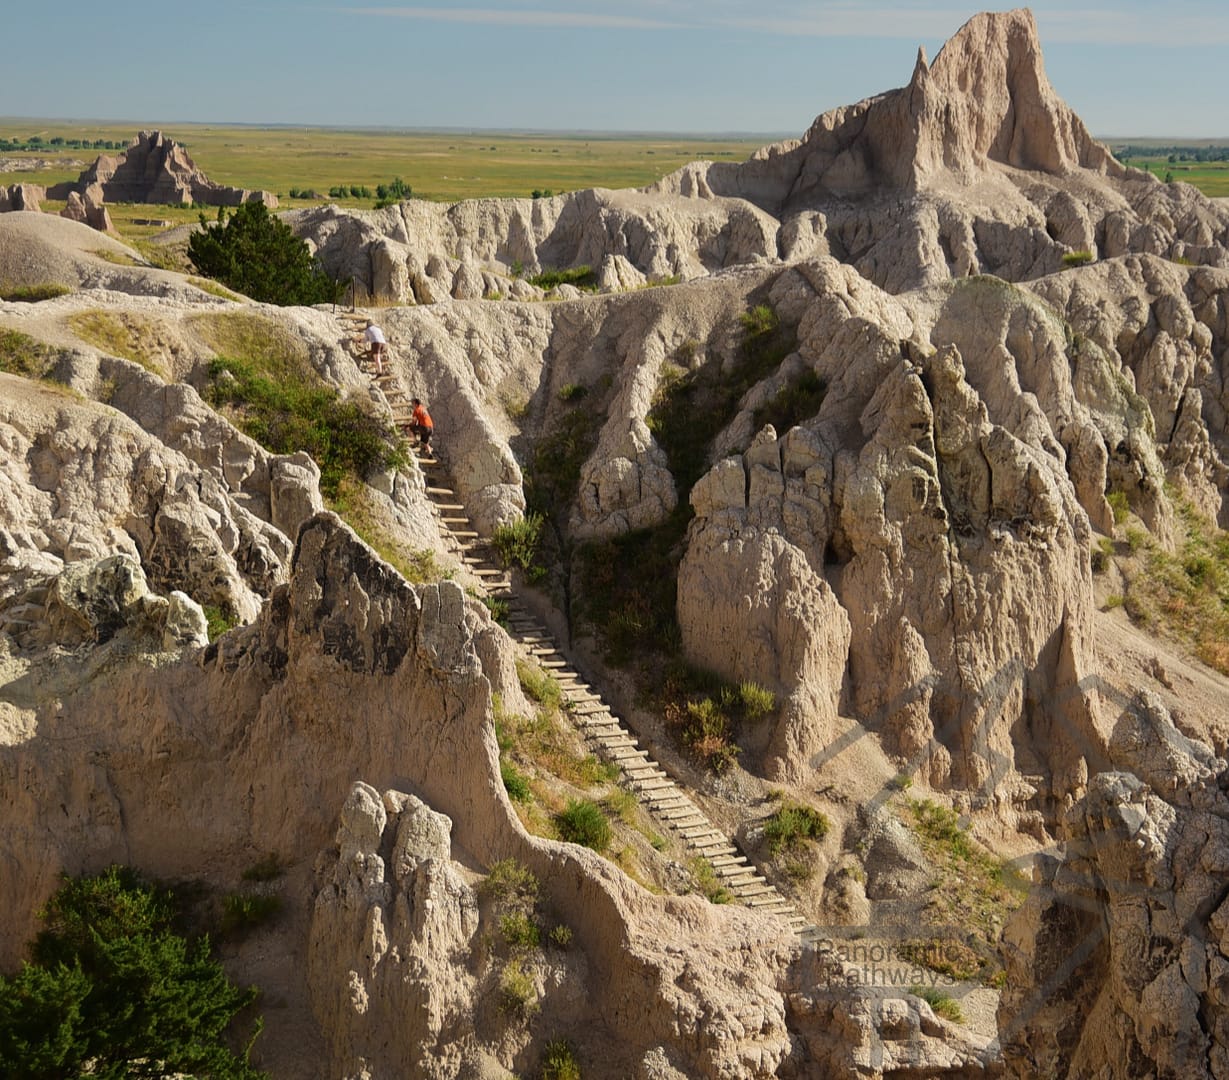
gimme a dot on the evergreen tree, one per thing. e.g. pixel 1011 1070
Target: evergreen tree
pixel 254 253
pixel 113 992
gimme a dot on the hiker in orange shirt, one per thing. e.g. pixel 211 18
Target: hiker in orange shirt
pixel 420 425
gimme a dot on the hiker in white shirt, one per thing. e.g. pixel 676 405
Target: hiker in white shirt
pixel 377 346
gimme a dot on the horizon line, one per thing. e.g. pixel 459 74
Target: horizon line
pixel 474 129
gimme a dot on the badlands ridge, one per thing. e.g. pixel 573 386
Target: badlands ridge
pixel 1018 341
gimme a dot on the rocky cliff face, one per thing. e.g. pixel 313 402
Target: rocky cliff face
pixel 154 169
pixel 1116 963
pixel 904 560
pixel 976 166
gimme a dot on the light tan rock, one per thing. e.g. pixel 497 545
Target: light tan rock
pixel 1133 899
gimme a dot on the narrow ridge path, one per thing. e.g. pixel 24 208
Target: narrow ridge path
pixel 601 728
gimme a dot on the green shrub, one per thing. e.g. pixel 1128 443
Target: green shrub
pixel 1078 258
pixel 517 541
pixel 1114 600
pixel 218 620
pixel 113 991
pixel 1137 540
pixel 559 1061
pixel 1102 555
pixel 517 992
pixel 708 883
pixel 942 1004
pixel 539 685
pixel 757 701
pixel 560 936
pixel 520 931
pixel 258 255
pixel 243 912
pixel 20 354
pixel 32 294
pixel 793 403
pixel 572 392
pixel 622 804
pixel 289 414
pixel 1119 505
pixel 516 784
pixel 582 822
pixel 391 193
pixel 498 607
pixel 941 825
pixel 759 321
pixel 706 732
pixel 792 825
pixel 582 277
pixel 510 882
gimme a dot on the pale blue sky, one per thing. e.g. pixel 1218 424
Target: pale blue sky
pixel 1127 67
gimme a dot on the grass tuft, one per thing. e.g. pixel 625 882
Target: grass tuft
pixel 942 1004
pixel 242 913
pixel 582 822
pixel 20 354
pixel 33 294
pixel 559 1061
pixel 792 826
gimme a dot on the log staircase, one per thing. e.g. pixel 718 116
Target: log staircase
pixel 602 729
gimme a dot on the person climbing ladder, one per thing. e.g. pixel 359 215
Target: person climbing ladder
pixel 377 346
pixel 421 425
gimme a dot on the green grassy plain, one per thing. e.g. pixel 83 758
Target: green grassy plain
pixel 442 166
pixel 1210 177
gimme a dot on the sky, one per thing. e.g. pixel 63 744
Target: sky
pixel 1128 67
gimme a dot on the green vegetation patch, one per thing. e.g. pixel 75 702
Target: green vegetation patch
pixel 631 581
pixel 1186 593
pixel 261 340
pixel 1078 258
pixel 583 277
pixel 942 1004
pixel 32 294
pixel 517 544
pixel 512 883
pixel 972 890
pixel 218 620
pixel 114 990
pixel 244 912
pixel 20 354
pixel 122 334
pixel 559 1061
pixel 708 883
pixel 583 822
pixel 792 404
pixel 516 783
pixel 793 825
pixel 214 289
pixel 353 502
pixel 290 414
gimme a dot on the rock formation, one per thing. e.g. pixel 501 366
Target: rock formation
pixel 85 209
pixel 21 197
pixel 154 169
pixel 975 167
pixel 890 525
pixel 1116 962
